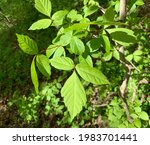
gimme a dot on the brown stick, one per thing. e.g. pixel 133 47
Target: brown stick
pixel 127 66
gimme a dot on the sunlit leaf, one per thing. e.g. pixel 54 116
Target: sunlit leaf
pixel 58 17
pixel 107 43
pixel 41 24
pixel 27 45
pixel 91 74
pixel 43 6
pixel 144 116
pixel 74 95
pixel 76 45
pixel 62 63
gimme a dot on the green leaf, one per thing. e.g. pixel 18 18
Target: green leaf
pixel 76 45
pixel 74 95
pixel 134 116
pixel 137 110
pixel 122 36
pixel 74 16
pixel 137 58
pixel 34 76
pixel 42 63
pixel 101 23
pixel 129 57
pixel 43 6
pixel 91 74
pixel 59 52
pixel 51 49
pixel 87 60
pixel 62 63
pixel 65 39
pixel 107 44
pixel 58 17
pixel 78 26
pixel 41 24
pixel 107 56
pixel 94 44
pixel 109 14
pixel 139 2
pixel 88 10
pixel 116 54
pixel 144 116
pixel 138 52
pixel 137 123
pixel 27 45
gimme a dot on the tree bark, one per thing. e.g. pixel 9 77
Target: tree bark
pixel 122 13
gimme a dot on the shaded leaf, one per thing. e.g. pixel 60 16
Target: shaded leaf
pixel 94 44
pixel 34 76
pixel 42 63
pixel 109 14
pixel 88 10
pixel 122 36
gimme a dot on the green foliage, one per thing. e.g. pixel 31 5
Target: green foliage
pixel 29 107
pixel 93 29
pixel 81 40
